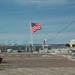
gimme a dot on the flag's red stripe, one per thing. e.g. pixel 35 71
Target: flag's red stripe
pixel 36 27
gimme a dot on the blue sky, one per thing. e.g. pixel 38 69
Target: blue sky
pixel 16 15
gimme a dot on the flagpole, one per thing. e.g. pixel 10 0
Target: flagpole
pixel 31 35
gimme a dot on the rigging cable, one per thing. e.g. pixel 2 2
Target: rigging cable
pixel 61 30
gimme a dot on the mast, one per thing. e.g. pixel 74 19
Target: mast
pixel 31 36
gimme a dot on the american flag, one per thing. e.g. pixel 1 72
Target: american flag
pixel 35 27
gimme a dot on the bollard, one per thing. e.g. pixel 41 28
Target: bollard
pixel 1 59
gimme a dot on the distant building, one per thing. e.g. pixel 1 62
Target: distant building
pixel 72 43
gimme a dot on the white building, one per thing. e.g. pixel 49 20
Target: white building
pixel 72 43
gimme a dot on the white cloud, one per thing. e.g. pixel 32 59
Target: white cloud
pixel 13 36
pixel 51 35
pixel 61 38
pixel 64 37
pixel 42 1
